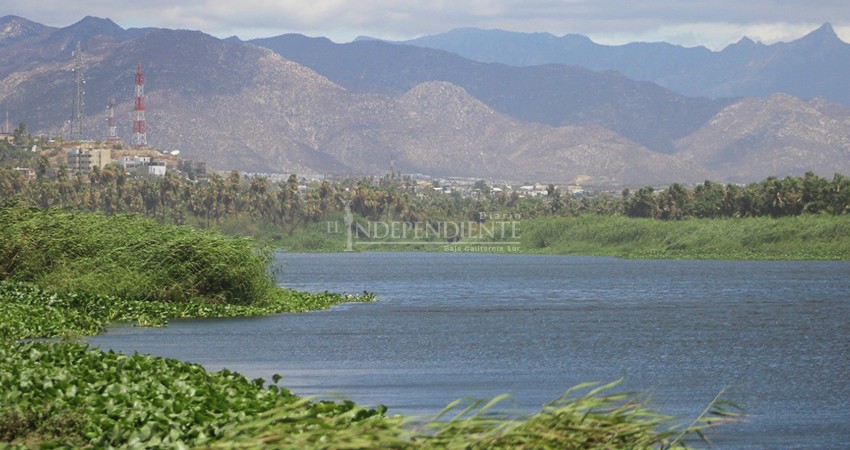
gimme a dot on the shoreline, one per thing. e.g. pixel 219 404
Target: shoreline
pixel 800 238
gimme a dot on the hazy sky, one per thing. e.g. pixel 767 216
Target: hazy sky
pixel 710 23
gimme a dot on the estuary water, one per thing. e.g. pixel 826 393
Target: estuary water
pixel 774 334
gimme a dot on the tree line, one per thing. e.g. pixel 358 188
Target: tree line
pixel 772 197
pixel 291 203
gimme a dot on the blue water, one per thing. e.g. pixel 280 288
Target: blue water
pixel 775 334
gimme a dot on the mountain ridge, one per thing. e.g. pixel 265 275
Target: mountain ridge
pixel 744 68
pixel 552 94
pixel 245 107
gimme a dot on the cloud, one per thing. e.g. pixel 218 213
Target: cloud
pixel 713 23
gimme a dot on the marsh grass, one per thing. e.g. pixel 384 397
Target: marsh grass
pixel 822 237
pixel 585 417
pixel 130 258
pixel 805 237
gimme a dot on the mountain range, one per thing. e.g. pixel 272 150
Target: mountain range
pixel 812 66
pixel 307 105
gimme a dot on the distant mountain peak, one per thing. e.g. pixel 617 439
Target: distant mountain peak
pixel 14 28
pixel 88 28
pixel 744 44
pixel 91 25
pixel 824 33
pixel 92 21
pixel 826 28
pixel 11 19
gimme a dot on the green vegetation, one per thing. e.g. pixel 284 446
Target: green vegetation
pixel 29 311
pixel 799 237
pixel 64 394
pixel 585 417
pixel 298 215
pixel 70 273
pixel 61 276
pixel 130 258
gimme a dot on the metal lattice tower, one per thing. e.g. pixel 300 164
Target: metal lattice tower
pixel 77 113
pixel 140 138
pixel 111 129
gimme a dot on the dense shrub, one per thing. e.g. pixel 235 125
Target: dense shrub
pixel 129 257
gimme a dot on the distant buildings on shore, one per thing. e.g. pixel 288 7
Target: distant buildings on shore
pixel 88 156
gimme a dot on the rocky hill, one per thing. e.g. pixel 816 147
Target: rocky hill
pixel 777 136
pixel 553 94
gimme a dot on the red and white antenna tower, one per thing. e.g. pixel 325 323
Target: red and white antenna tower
pixel 140 137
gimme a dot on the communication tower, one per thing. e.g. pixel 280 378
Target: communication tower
pixel 140 138
pixel 77 113
pixel 111 129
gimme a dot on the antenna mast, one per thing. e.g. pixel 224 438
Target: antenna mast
pixel 140 138
pixel 111 129
pixel 77 114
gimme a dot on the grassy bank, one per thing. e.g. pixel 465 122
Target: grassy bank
pixel 803 237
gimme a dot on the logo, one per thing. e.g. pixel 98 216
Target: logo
pixel 489 233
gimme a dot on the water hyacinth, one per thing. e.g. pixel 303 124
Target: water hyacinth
pixel 67 395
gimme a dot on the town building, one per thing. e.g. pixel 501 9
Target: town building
pixel 153 169
pixel 143 166
pixel 86 159
pixel 27 172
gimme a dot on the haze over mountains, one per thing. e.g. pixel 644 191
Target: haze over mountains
pixel 815 65
pixel 298 104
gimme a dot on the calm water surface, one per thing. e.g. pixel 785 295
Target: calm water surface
pixel 777 334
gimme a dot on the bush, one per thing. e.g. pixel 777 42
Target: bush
pixel 130 257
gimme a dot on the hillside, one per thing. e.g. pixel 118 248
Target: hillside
pixel 241 106
pixel 553 94
pixel 777 136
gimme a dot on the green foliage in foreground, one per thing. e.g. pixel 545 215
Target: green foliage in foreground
pixel 129 257
pixel 803 237
pixel 27 311
pixel 67 393
pixel 64 394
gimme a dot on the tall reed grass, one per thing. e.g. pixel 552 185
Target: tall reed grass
pixel 800 237
pixel 131 258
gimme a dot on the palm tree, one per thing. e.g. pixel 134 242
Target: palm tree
pixel 258 197
pixel 643 204
pixel 674 203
